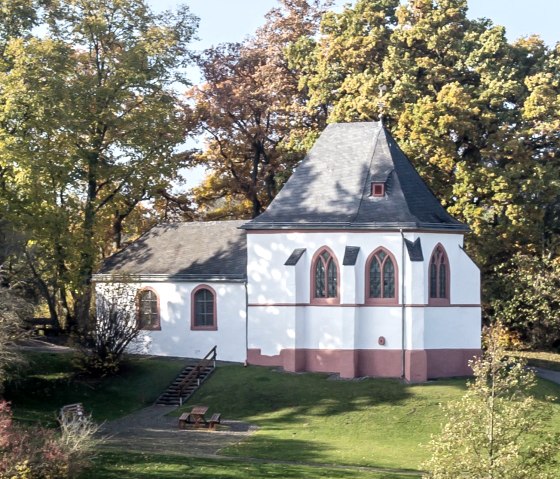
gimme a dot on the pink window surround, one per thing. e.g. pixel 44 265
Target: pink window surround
pixel 154 323
pixel 326 261
pixel 438 277
pixel 377 189
pixel 214 325
pixel 375 256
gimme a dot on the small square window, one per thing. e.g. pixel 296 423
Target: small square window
pixel 377 189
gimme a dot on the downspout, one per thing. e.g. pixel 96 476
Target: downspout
pixel 246 323
pixel 403 358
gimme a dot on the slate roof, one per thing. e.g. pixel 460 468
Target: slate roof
pixel 196 251
pixel 294 257
pixel 350 255
pixel 331 188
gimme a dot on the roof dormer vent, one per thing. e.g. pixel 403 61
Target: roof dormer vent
pixel 377 189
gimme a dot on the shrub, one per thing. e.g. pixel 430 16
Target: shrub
pixel 78 441
pixel 497 429
pixel 39 453
pixel 531 305
pixel 113 331
pixel 12 311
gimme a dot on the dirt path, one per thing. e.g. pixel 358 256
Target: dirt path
pixel 150 430
pixel 41 346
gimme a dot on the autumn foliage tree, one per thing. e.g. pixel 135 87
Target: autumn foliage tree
pixel 250 111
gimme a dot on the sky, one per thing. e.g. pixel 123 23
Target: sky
pixel 233 20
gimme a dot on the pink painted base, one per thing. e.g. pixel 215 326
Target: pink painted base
pixel 420 365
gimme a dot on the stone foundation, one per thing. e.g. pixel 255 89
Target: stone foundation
pixel 420 365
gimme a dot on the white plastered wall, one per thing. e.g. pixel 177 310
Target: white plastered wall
pixel 457 326
pixel 277 294
pixel 176 337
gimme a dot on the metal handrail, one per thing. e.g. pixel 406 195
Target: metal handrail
pixel 194 375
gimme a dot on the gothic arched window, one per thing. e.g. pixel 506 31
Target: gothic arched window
pixel 381 278
pixel 324 274
pixel 439 277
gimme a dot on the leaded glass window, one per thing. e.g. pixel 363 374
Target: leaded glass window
pixel 325 276
pixel 433 278
pixel 382 277
pixel 388 279
pixel 439 275
pixel 320 279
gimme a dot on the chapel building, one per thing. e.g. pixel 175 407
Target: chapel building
pixel 355 268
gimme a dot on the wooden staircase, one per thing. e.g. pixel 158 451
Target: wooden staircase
pixel 188 381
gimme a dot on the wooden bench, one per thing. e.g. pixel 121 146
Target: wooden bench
pixel 72 412
pixel 215 419
pixel 184 419
pixel 42 326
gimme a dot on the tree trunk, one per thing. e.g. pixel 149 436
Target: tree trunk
pixel 87 255
pixel 256 206
pixel 117 230
pixel 118 219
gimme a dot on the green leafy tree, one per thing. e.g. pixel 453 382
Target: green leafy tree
pixel 477 114
pixel 497 430
pixel 533 309
pixel 92 120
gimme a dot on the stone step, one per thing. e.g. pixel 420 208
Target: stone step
pixel 175 394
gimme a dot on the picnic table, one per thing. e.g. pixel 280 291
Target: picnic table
pixel 198 419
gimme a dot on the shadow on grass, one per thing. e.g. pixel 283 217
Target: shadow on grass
pixel 309 417
pixel 249 393
pixel 143 466
pixel 52 380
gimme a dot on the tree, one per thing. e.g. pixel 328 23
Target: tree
pixel 497 429
pixel 17 18
pixel 477 114
pixel 533 310
pixel 250 110
pixel 91 125
pixel 13 310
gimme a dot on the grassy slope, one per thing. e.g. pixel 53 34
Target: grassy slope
pixel 302 417
pixel 50 382
pixel 307 418
pixel 541 359
pixel 148 466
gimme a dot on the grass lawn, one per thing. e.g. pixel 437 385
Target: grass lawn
pixel 308 418
pixel 50 381
pixel 540 359
pixel 148 466
pixel 303 418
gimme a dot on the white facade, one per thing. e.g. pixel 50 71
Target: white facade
pixel 281 317
pixel 176 336
pixel 352 337
pixel 273 316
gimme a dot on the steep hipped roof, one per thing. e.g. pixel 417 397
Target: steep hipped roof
pixel 331 188
pixel 214 250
